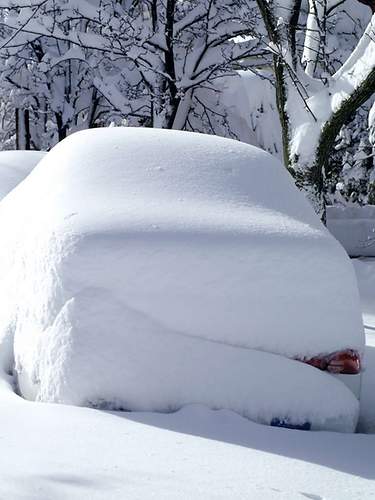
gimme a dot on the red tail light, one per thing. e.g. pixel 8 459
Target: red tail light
pixel 346 362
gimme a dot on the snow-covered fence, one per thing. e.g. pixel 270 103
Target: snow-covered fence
pixel 354 228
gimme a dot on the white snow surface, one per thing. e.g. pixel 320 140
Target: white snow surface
pixel 254 121
pixel 15 166
pixel 58 452
pixel 326 100
pixel 153 267
pixel 354 228
pixel 365 271
pixel 55 452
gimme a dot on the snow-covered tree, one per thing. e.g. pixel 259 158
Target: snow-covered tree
pixel 314 99
pixel 158 61
pixel 166 56
pixel 371 122
pixel 7 124
pixel 48 81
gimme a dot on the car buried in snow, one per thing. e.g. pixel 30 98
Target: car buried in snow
pixel 154 269
pixel 15 166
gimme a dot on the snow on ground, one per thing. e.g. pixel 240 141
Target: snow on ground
pixel 57 452
pixel 365 271
pixel 15 166
pixel 354 228
pixel 146 253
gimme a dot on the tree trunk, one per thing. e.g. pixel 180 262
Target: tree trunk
pixel 62 129
pixel 23 139
pixel 173 97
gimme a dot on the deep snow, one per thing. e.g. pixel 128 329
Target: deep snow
pixel 146 253
pixel 365 271
pixel 57 452
pixel 15 166
pixel 354 228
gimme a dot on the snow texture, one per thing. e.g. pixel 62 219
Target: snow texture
pixel 151 270
pixel 58 452
pixel 354 228
pixel 365 271
pixel 253 120
pixel 325 99
pixel 15 166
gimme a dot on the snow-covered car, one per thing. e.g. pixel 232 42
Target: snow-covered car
pixel 156 268
pixel 15 166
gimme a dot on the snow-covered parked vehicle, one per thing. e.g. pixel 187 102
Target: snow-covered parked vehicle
pixel 152 269
pixel 15 166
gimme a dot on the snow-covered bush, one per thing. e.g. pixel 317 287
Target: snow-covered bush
pixel 354 228
pixel 158 268
pixel 247 101
pixel 15 166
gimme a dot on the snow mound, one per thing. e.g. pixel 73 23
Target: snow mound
pixel 151 270
pixel 15 166
pixel 354 228
pixel 64 452
pixel 367 407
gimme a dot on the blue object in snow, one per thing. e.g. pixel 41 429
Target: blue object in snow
pixel 277 422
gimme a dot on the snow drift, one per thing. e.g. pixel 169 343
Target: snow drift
pixel 158 268
pixel 15 166
pixel 354 228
